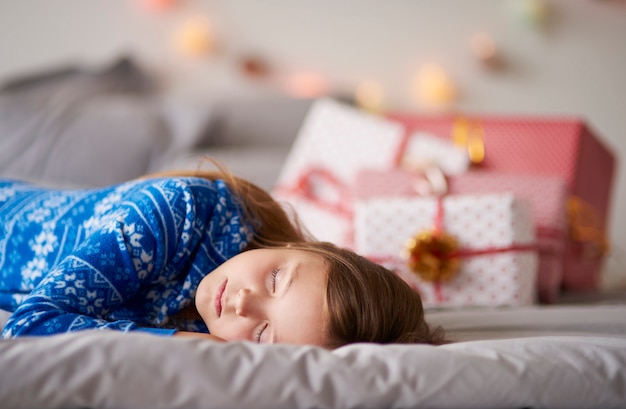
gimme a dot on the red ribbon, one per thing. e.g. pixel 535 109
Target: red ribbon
pixel 304 186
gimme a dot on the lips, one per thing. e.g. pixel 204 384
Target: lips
pixel 219 294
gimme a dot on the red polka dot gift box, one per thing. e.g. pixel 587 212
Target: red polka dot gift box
pixel 565 147
pixel 456 250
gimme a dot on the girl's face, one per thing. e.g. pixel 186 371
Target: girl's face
pixel 266 296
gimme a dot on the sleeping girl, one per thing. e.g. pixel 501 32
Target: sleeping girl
pixel 201 254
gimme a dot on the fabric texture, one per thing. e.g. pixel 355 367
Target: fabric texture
pixel 106 369
pixel 80 128
pixel 124 257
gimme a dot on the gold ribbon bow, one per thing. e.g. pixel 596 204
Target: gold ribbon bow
pixel 431 255
pixel 471 135
pixel 585 227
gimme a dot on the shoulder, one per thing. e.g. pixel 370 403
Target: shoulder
pixel 170 188
pixel 177 191
pixel 174 182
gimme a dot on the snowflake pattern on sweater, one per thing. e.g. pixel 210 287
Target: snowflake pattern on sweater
pixel 126 257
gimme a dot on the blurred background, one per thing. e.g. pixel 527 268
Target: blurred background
pixel 526 57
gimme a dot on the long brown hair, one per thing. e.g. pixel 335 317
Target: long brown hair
pixel 365 302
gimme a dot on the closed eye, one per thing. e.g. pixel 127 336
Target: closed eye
pixel 260 333
pixel 274 274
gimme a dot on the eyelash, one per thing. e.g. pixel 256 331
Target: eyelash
pixel 259 333
pixel 274 274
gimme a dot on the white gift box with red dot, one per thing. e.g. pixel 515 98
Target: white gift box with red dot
pixel 337 140
pixel 342 140
pixel 499 224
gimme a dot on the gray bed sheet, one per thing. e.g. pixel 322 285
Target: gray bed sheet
pixel 470 324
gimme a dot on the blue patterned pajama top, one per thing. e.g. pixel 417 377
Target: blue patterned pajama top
pixel 126 257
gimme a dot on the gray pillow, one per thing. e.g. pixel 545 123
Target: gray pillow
pixel 81 129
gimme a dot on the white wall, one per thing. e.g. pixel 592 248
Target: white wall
pixel 575 65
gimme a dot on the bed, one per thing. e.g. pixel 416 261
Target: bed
pixel 543 357
pixel 565 355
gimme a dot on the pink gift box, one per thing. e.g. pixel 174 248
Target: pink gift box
pixel 564 147
pixel 546 194
pixel 494 232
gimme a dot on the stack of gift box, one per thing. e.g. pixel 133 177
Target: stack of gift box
pixel 470 211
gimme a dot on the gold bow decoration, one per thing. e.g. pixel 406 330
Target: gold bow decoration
pixel 471 135
pixel 585 227
pixel 431 255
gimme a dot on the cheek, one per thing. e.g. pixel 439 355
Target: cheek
pixel 203 299
pixel 202 292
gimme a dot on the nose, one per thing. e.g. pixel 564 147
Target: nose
pixel 247 303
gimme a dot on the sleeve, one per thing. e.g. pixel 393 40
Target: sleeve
pixel 130 251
